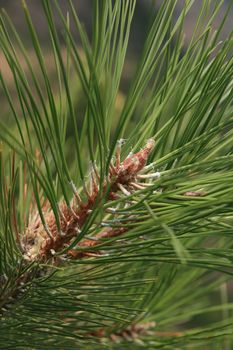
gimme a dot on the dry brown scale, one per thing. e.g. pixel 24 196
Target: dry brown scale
pixel 41 243
pixel 133 332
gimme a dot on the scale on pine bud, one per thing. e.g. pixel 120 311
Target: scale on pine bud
pixel 123 176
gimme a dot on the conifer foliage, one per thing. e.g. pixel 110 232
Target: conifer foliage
pixel 116 209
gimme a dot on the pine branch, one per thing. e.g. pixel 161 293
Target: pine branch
pixel 138 254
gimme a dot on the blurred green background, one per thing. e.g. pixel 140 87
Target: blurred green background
pixel 84 9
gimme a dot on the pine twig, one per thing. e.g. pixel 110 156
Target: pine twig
pixel 37 244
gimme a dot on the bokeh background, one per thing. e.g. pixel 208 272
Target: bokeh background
pixel 140 24
pixel 84 8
